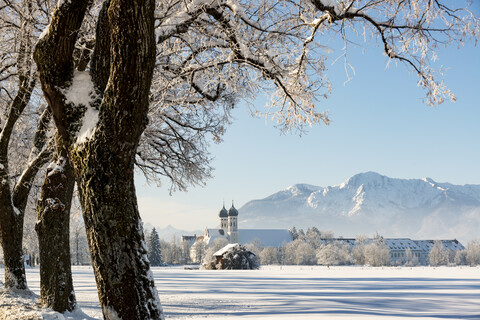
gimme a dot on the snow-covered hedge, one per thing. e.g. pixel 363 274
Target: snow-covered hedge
pixel 233 256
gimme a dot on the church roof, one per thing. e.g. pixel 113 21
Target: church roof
pixel 427 245
pixel 232 211
pixel 267 237
pixel 223 213
pixel 214 234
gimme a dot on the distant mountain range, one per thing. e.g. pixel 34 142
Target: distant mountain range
pixel 169 232
pixel 368 203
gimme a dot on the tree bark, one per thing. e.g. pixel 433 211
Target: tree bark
pixel 104 164
pixel 53 209
pixel 114 229
pixel 12 235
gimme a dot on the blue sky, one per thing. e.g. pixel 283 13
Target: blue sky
pixel 378 124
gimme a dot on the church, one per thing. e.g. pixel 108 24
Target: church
pixel 228 229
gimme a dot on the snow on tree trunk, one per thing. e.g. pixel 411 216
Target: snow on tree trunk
pixel 114 230
pixel 53 209
pixel 101 123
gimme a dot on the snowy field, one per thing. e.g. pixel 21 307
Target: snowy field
pixel 295 292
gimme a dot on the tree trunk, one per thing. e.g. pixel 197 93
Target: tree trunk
pixel 121 70
pixel 53 209
pixel 12 235
pixel 114 230
pixel 11 218
pixel 13 202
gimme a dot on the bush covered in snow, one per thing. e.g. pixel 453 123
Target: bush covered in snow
pixel 233 257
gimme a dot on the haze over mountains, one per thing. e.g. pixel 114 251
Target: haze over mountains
pixel 368 203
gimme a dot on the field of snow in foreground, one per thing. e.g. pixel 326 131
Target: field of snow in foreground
pixel 295 292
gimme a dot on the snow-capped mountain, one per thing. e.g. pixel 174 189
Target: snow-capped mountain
pixel 169 232
pixel 368 203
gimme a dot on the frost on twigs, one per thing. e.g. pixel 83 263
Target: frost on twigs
pixel 214 54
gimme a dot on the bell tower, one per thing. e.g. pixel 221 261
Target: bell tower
pixel 223 214
pixel 232 224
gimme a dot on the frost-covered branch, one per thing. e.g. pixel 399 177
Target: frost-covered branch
pixel 24 184
pixel 212 54
pixel 410 32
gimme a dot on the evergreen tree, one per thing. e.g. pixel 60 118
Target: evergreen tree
pixel 154 249
pixel 294 233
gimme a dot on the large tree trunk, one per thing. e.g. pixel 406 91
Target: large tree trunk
pixel 53 209
pixel 121 70
pixel 114 230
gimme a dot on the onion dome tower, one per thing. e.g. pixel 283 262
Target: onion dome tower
pixel 232 224
pixel 223 214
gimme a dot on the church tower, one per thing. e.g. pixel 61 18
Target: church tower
pixel 232 224
pixel 223 219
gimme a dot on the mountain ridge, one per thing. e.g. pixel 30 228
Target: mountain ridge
pixel 370 202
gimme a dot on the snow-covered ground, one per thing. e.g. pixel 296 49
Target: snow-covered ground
pixel 302 292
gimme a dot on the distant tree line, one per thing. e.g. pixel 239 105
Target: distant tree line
pixel 316 247
pixel 311 247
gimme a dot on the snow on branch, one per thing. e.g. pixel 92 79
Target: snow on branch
pixel 235 49
pixel 409 31
pixel 212 54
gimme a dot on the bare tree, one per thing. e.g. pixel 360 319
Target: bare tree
pixel 78 239
pixel 410 258
pixel 334 253
pixel 23 151
pixel 473 252
pixel 438 255
pixel 269 255
pixel 377 254
pixel 22 21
